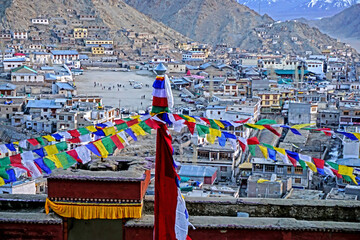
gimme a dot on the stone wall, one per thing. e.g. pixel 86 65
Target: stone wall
pixel 311 210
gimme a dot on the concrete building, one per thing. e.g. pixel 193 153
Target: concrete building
pixel 328 118
pixel 299 113
pixel 7 89
pixel 315 66
pixel 204 174
pixel 264 168
pixel 40 21
pixel 11 63
pixel 19 187
pixel 10 105
pixel 272 187
pixel 25 74
pixel 80 33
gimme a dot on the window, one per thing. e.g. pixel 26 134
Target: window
pixel 267 102
pixel 297 180
pixel 69 118
pixel 298 170
pixel 280 169
pixel 14 109
pixel 258 167
pixel 289 171
pixel 223 169
pixel 269 168
pixel 346 113
pixel 267 97
pixel 61 118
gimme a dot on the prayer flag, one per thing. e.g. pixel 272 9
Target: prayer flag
pixel 51 149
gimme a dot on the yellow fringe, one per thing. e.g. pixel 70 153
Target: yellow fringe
pixel 94 211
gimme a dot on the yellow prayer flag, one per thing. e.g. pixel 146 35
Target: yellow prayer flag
pixel 264 151
pixel 345 170
pixel 138 130
pixel 260 127
pixel 51 149
pixel 109 131
pixel 190 119
pixel 210 138
pixel 55 160
pixel 49 138
pixel 299 126
pixel 91 128
pixel 280 150
pixel 215 132
pixel 2 182
pixel 17 143
pixel 219 123
pixel 100 146
pixel 311 166
pixel 135 117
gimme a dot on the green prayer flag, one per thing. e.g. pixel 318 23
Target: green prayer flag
pixel 252 149
pixel 5 162
pixel 83 131
pixel 40 140
pixel 65 159
pixel 108 144
pixel 156 109
pixel 347 178
pixel 122 126
pixel 268 146
pixel 145 127
pixel 202 130
pixel 213 124
pixel 333 165
pixel 50 164
pixel 265 122
pixel 302 164
pixel 3 173
pixel 61 146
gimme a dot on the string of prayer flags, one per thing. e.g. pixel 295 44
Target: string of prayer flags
pixel 65 159
pixel 300 126
pixel 160 101
pixel 265 122
pixel 49 163
pixel 55 160
pixel 293 157
pixel 243 121
pixel 282 154
pixel 254 126
pixel 138 130
pixel 109 131
pixel 74 154
pixel 61 146
pixel 131 134
pixel 116 140
pixel 145 127
pixel 271 129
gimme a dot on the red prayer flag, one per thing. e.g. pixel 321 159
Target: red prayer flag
pixel 15 159
pixel 74 154
pixel 74 133
pixel 253 141
pixel 336 172
pixel 132 122
pixel 319 163
pixel 205 120
pixel 166 190
pixel 22 167
pixel 292 160
pixel 271 129
pixel 242 121
pixel 151 123
pixel 33 141
pixel 117 141
pixel 74 140
pixel 191 126
pixel 177 117
pixel 119 121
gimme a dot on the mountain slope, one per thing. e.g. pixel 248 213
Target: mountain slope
pixel 226 21
pixel 204 20
pixel 114 14
pixel 344 24
pixel 291 9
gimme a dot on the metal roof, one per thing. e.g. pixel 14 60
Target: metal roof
pixel 7 86
pixel 197 171
pixel 43 103
pixel 65 86
pixel 64 52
